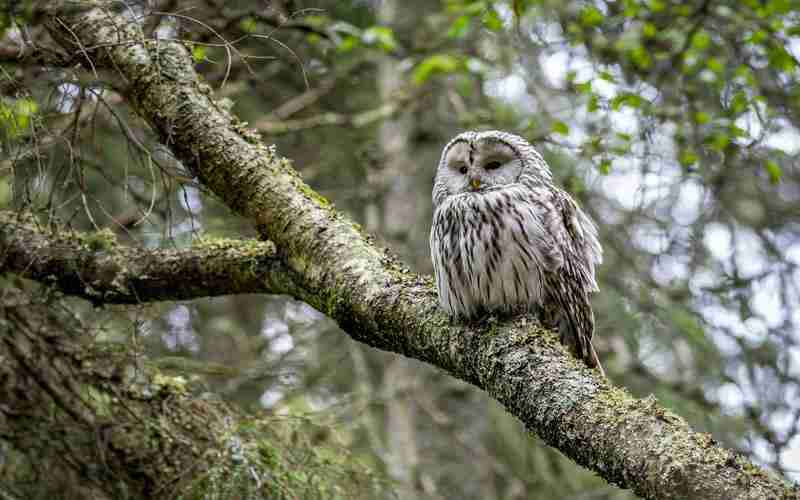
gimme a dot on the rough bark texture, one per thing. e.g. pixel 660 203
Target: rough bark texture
pixel 634 443
pixel 94 266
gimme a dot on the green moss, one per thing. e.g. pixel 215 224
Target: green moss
pixel 174 383
pixel 613 406
pixel 96 241
pixel 251 251
pixel 313 196
pixel 245 248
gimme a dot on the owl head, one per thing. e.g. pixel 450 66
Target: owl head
pixel 477 162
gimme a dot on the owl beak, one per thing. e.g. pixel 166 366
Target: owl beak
pixel 475 183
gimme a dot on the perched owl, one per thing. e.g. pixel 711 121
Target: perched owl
pixel 505 239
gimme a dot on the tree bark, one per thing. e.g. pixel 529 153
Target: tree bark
pixel 95 267
pixel 634 443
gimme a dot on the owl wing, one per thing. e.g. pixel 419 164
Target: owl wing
pixel 572 250
pixel 579 236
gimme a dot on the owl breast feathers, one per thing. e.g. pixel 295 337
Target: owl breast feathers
pixel 505 239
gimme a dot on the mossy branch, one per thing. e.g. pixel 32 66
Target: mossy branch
pixel 634 443
pixel 94 266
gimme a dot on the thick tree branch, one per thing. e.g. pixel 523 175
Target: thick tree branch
pixel 95 267
pixel 634 443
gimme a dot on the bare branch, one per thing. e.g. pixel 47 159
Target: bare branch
pixel 357 120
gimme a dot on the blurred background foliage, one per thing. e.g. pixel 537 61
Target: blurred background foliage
pixel 675 123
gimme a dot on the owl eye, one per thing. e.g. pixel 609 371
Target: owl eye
pixel 493 165
pixel 463 169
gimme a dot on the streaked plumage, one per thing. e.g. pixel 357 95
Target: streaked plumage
pixel 506 239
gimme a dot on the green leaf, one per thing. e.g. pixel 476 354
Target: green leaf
pixel 605 75
pixel 632 8
pixel 774 170
pixel 701 117
pixel 595 144
pixel 436 63
pixel 199 53
pixel 687 158
pixel 492 21
pixel 739 103
pixel 560 127
pixel 641 57
pixel 715 65
pixel 758 37
pixel 347 44
pixel 585 87
pixel 593 104
pixel 248 25
pixel 460 27
pixel 16 117
pixel 649 30
pixel 701 40
pixel 779 7
pixel 626 99
pixel 780 59
pixel 746 73
pixel 736 131
pixel 381 36
pixel 591 17
pixel 719 141
pixel 313 39
pixel 605 166
pixel 26 107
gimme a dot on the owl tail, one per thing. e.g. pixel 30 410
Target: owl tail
pixel 576 328
pixel 594 362
pixel 574 334
pixel 571 312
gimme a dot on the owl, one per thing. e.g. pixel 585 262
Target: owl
pixel 505 239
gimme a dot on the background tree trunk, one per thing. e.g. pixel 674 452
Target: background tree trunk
pixel 395 181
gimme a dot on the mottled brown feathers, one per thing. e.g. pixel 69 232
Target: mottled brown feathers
pixel 505 239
